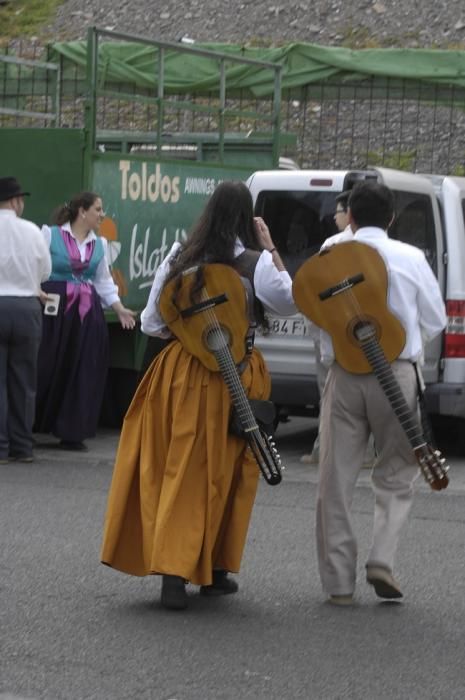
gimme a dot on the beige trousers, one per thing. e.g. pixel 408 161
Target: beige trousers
pixel 352 407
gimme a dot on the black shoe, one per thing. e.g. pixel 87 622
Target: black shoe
pixel 222 585
pixel 73 446
pixel 21 458
pixel 173 592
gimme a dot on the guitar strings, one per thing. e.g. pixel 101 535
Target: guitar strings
pixel 270 468
pixel 231 378
pixel 381 367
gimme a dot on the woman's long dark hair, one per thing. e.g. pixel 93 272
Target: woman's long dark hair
pixel 69 211
pixel 228 215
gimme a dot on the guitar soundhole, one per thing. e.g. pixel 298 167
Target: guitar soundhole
pixel 216 338
pixel 361 330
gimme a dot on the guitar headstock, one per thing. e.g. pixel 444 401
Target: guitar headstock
pixel 277 465
pixel 267 457
pixel 433 466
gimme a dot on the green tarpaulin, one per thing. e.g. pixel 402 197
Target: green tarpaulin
pixel 302 64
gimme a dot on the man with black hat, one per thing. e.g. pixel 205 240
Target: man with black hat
pixel 24 264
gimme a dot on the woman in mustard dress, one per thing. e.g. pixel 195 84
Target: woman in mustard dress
pixel 183 487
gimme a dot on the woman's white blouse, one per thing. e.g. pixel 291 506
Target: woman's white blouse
pixel 272 287
pixel 103 281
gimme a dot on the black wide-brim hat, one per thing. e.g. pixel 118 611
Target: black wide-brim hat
pixel 10 188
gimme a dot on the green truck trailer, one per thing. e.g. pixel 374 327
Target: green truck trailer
pixel 153 176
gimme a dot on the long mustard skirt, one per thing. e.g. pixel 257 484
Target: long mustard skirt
pixel 183 489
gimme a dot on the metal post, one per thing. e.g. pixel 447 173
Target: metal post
pixel 58 94
pixel 90 114
pixel 161 94
pixel 276 116
pixel 221 111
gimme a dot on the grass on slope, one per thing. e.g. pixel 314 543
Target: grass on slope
pixel 20 18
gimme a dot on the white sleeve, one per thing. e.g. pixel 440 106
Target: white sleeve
pixel 46 261
pixel 151 320
pixel 273 287
pixel 47 234
pixel 103 281
pixel 431 308
pixel 44 252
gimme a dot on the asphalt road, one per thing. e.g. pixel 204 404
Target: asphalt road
pixel 72 629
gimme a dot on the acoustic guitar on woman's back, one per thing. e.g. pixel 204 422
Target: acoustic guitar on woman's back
pixel 206 309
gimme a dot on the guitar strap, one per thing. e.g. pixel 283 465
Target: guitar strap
pixel 250 337
pixel 245 265
pixel 424 417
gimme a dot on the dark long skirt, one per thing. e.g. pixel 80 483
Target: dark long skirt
pixel 73 362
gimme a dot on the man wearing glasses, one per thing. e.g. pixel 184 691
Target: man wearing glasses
pixel 341 219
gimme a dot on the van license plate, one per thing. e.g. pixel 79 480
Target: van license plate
pixel 288 326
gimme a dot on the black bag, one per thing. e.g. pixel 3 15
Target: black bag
pixel 264 413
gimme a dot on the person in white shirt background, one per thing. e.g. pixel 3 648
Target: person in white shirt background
pixel 353 405
pixel 24 264
pixel 73 355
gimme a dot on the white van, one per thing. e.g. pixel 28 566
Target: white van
pixel 299 206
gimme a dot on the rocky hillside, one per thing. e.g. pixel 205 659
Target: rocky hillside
pixel 356 24
pixel 422 134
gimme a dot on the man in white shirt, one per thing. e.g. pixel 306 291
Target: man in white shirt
pixel 354 405
pixel 24 264
pixel 341 219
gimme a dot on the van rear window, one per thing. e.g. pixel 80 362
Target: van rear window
pixel 414 223
pixel 299 222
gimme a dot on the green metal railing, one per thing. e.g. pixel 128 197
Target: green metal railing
pixel 352 123
pixel 30 89
pixel 215 107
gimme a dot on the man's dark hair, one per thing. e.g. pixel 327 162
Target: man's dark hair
pixel 343 199
pixel 371 204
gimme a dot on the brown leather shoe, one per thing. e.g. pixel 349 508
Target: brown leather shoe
pixel 383 582
pixel 342 600
pixel 309 458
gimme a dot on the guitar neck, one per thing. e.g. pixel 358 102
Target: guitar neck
pixel 238 396
pixel 388 381
pixel 261 446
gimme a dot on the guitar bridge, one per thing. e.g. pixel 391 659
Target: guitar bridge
pixel 341 287
pixel 204 305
